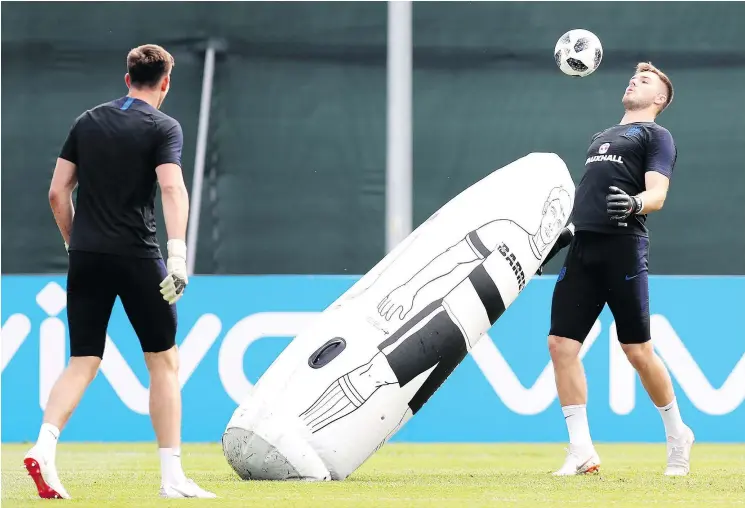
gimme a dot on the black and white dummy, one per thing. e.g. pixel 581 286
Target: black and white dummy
pixel 366 365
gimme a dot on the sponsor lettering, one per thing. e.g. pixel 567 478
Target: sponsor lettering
pixel 514 263
pixel 603 158
pixel 236 340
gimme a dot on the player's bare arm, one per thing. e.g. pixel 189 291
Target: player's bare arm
pixel 175 199
pixel 176 214
pixel 653 197
pixel 621 205
pixel 64 181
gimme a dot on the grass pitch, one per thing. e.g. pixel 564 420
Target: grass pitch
pixel 406 476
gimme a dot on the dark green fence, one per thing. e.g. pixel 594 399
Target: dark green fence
pixel 295 177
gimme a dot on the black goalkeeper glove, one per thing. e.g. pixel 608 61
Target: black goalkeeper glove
pixel 565 238
pixel 620 205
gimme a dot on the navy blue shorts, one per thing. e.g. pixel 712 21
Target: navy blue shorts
pixel 599 269
pixel 95 280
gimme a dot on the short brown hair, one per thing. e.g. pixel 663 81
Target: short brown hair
pixel 148 64
pixel 648 67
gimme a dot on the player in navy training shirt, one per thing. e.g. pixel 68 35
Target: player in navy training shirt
pixel 627 173
pixel 117 154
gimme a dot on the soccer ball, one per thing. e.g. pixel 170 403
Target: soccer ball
pixel 578 53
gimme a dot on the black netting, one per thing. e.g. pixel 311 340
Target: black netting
pixel 295 174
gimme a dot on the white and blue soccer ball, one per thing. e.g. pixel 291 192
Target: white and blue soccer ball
pixel 578 53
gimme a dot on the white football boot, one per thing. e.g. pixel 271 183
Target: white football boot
pixel 44 474
pixel 679 454
pixel 579 460
pixel 185 489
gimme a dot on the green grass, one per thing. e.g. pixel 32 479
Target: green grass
pixel 406 476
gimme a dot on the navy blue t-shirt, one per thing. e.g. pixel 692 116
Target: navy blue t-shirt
pixel 621 156
pixel 116 147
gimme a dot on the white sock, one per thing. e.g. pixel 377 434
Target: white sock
pixel 674 425
pixel 47 441
pixel 579 429
pixel 170 466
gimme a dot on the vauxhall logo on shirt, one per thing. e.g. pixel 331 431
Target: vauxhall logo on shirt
pixel 602 150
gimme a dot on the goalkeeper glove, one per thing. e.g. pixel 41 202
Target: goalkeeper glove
pixel 620 205
pixel 565 238
pixel 172 287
